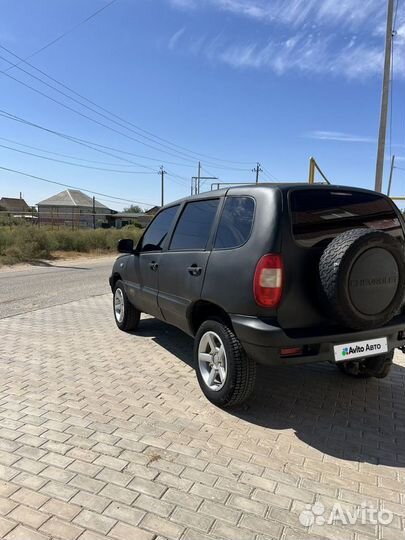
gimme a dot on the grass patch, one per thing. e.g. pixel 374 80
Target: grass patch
pixel 24 243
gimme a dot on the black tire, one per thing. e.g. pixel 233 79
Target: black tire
pixel 131 315
pixel 240 372
pixel 376 366
pixel 362 274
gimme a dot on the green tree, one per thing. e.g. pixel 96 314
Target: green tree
pixel 134 209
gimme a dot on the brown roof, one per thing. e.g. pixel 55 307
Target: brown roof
pixel 14 205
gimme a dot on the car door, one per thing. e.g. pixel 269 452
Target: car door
pixel 143 269
pixel 182 266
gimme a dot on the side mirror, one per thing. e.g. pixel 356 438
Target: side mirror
pixel 126 245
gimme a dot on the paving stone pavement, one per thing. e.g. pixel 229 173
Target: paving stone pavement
pixel 107 435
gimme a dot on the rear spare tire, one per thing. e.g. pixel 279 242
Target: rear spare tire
pixel 362 273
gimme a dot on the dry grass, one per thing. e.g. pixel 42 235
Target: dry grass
pixel 24 243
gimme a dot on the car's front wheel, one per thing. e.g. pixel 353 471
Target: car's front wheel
pixel 376 366
pixel 125 314
pixel 225 374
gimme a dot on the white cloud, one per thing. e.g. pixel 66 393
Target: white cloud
pixel 301 52
pixel 338 37
pixel 304 53
pixel 295 12
pixel 339 136
pixel 176 37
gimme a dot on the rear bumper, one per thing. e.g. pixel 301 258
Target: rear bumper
pixel 262 340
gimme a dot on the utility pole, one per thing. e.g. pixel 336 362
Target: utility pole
pixel 162 173
pixel 257 170
pixel 391 175
pixel 385 98
pixel 94 212
pixel 196 180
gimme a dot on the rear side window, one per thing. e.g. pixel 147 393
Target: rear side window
pixel 157 231
pixel 319 215
pixel 194 226
pixel 236 222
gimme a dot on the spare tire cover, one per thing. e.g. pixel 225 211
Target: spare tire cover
pixel 362 274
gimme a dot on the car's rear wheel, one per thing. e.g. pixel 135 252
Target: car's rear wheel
pixel 376 366
pixel 225 374
pixel 125 314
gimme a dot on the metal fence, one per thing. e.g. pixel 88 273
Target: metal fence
pixel 72 220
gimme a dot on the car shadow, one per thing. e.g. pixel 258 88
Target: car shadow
pixel 353 419
pixel 170 338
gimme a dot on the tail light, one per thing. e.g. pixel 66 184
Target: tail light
pixel 268 281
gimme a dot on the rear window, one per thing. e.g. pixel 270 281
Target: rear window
pixel 236 222
pixel 319 215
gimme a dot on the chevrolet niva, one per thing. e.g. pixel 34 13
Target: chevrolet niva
pixel 271 274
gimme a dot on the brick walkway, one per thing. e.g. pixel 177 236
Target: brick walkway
pixel 106 435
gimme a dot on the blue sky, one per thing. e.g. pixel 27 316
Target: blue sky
pixel 239 81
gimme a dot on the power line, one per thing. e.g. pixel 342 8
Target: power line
pixel 77 101
pixel 109 200
pixel 207 171
pixel 61 154
pixel 90 160
pixel 87 144
pixel 61 36
pixel 83 115
pixel 84 143
pixel 269 174
pixel 36 90
pixel 210 176
pixel 177 176
pixel 149 134
pixel 72 187
pixel 81 142
pixel 73 164
pixel 96 121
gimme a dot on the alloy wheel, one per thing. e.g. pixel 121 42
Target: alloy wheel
pixel 212 361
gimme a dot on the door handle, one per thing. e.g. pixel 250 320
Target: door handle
pixel 194 270
pixel 153 266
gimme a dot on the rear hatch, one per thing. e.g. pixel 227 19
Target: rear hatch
pixel 314 216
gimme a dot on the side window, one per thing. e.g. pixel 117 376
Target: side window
pixel 157 231
pixel 236 222
pixel 194 226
